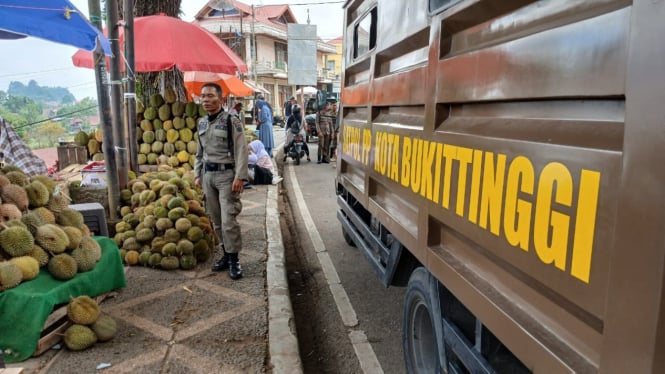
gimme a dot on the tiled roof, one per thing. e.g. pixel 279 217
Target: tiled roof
pixel 264 14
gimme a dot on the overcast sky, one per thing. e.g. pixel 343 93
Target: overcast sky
pixel 50 63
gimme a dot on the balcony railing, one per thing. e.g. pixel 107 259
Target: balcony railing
pixel 271 67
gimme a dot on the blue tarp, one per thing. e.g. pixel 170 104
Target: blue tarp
pixel 55 20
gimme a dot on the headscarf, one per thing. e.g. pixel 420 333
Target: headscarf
pixel 258 151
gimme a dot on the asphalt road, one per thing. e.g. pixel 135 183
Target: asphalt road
pixel 346 320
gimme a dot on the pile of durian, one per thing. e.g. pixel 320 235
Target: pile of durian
pixel 92 142
pixel 39 229
pixel 89 324
pixel 164 224
pixel 166 131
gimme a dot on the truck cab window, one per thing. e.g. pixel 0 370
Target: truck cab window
pixel 364 38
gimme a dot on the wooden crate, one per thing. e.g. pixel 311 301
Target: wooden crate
pixel 71 153
pixel 57 323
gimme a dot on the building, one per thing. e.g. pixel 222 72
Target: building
pixel 238 24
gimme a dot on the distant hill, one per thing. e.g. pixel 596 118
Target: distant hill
pixel 33 90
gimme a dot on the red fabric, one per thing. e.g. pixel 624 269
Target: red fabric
pixel 162 43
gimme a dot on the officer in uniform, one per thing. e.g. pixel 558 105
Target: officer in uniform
pixel 323 131
pixel 221 169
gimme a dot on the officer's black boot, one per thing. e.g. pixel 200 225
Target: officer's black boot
pixel 223 263
pixel 235 271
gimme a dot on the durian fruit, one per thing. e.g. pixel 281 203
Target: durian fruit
pixel 83 310
pixel 62 266
pixel 105 328
pixel 85 259
pixel 9 212
pixel 170 263
pixel 3 180
pixel 18 178
pixel 16 241
pixel 81 138
pixel 70 217
pixel 46 181
pixel 52 238
pixel 79 337
pixel 75 236
pixel 32 221
pixel 28 265
pixel 10 275
pixel 46 215
pixel 58 202
pixel 38 194
pixel 39 254
pixel 187 262
pixel 91 244
pixel 13 194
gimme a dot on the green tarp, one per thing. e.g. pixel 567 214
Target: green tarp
pixel 24 309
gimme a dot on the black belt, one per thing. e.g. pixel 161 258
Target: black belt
pixel 214 166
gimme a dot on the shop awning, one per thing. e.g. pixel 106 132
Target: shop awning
pixel 253 85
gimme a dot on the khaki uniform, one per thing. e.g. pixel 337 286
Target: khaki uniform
pixel 324 128
pixel 218 166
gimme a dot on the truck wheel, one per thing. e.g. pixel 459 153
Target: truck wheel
pixel 422 336
pixel 347 238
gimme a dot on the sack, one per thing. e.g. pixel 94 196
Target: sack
pixel 262 175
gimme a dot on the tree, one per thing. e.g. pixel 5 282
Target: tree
pixel 47 134
pixel 149 83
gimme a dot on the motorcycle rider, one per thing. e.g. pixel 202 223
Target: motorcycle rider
pixel 295 119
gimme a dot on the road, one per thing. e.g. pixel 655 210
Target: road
pixel 347 322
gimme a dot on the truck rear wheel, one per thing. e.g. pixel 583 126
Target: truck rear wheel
pixel 347 238
pixel 422 329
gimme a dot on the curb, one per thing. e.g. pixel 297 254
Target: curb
pixel 282 339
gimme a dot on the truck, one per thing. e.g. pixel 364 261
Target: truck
pixel 503 161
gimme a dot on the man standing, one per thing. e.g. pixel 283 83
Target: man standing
pixel 323 131
pixel 221 169
pixel 288 105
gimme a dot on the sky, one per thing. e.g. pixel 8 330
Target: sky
pixel 50 63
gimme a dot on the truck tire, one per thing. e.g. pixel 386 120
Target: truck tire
pixel 347 238
pixel 422 336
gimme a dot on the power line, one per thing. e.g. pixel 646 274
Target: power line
pixel 60 116
pixel 36 72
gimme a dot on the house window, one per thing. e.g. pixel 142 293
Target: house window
pixel 435 5
pixel 330 65
pixel 224 12
pixel 281 20
pixel 281 53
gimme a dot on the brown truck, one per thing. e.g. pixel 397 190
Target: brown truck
pixel 503 160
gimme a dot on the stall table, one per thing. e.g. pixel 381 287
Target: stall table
pixel 25 309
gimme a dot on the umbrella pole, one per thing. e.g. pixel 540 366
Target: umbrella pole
pixel 105 113
pixel 119 134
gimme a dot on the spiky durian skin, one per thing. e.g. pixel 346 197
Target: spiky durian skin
pixel 16 241
pixel 62 266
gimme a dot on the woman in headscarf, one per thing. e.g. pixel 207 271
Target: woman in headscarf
pixel 265 126
pixel 262 170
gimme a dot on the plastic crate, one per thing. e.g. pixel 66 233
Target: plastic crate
pixel 94 217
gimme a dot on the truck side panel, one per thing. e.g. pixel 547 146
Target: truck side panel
pixel 507 146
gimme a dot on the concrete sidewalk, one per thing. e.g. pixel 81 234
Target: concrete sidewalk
pixel 200 321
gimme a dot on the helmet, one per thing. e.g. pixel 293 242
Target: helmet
pixel 295 109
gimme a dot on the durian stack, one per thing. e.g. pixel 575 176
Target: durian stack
pixel 166 131
pixel 38 229
pixel 164 224
pixel 92 142
pixel 89 324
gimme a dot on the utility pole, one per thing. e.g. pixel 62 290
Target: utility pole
pixel 105 117
pixel 253 51
pixel 130 94
pixel 121 156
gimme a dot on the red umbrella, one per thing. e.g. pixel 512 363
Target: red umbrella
pixel 194 81
pixel 163 42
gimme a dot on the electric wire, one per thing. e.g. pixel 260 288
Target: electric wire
pixel 52 118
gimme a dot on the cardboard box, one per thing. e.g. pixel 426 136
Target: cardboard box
pixel 94 175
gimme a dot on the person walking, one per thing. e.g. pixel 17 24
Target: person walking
pixel 237 110
pixel 323 131
pixel 295 123
pixel 221 170
pixel 264 122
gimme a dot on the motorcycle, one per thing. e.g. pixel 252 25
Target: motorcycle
pixel 310 128
pixel 296 150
